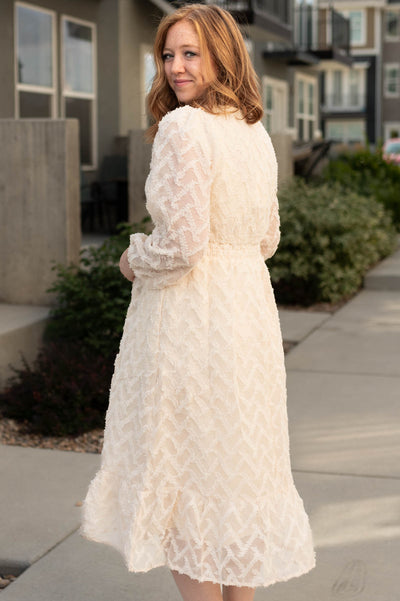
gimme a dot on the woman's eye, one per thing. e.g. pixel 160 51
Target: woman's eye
pixel 166 56
pixel 190 54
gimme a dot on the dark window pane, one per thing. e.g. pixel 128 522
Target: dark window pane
pixel 310 130
pixel 301 130
pixel 81 109
pixel 34 106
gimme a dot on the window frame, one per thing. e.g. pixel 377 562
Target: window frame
pixel 279 86
pixel 386 92
pixel 36 89
pixel 363 13
pixel 388 126
pixel 345 139
pixel 305 116
pixel 93 96
pixel 388 37
pixel 343 103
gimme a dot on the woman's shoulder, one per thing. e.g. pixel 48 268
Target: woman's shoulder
pixel 183 118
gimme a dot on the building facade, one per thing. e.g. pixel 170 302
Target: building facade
pixel 390 127
pixel 84 59
pixel 363 103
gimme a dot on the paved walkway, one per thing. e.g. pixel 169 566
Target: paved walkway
pixel 344 412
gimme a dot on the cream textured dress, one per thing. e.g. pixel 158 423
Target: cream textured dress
pixel 195 470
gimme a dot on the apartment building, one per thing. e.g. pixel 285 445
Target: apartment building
pixel 84 59
pixel 92 60
pixel 363 103
pixel 390 91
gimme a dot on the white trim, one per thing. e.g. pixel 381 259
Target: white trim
pixel 345 125
pixel 391 38
pixel 378 31
pixel 279 86
pixel 144 49
pixel 386 93
pixel 344 102
pixel 352 5
pixel 93 96
pixel 21 87
pixel 306 116
pixel 387 126
pixel 27 87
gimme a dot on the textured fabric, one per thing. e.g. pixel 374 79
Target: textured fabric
pixel 195 469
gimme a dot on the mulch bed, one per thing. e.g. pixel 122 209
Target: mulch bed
pixel 15 433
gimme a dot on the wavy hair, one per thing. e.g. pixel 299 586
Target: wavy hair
pixel 227 66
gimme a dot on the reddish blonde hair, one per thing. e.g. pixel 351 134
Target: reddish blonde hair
pixel 223 50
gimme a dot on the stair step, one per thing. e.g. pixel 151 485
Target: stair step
pixel 21 331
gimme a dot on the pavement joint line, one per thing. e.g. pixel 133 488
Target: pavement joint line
pixel 345 474
pixel 29 565
pixel 342 373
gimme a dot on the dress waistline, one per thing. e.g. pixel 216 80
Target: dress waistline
pixel 242 249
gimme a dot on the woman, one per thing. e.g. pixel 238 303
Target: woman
pixel 195 468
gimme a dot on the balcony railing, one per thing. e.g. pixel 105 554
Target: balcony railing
pixel 279 9
pixel 317 30
pixel 353 102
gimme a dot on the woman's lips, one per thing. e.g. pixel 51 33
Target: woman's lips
pixel 181 82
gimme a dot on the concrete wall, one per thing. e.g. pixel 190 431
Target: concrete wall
pixel 283 149
pixel 39 205
pixel 21 332
pixel 139 155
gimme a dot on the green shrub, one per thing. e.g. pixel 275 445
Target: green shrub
pixel 92 299
pixel 329 240
pixel 368 174
pixel 65 392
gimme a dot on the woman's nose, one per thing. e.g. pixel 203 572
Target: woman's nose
pixel 178 65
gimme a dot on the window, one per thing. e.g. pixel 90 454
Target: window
pixel 79 82
pixel 275 104
pixel 357 27
pixel 345 131
pixel 391 129
pixel 35 62
pixel 268 108
pixel 345 88
pixel 306 108
pixel 392 80
pixel 337 96
pixel 392 25
pixel 357 18
pixel 354 88
pixel 147 75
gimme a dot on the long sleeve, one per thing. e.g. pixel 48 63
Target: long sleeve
pixel 269 244
pixel 178 200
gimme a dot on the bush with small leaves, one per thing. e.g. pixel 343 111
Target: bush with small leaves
pixel 368 174
pixel 330 238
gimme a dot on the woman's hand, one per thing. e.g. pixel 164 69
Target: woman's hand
pixel 125 268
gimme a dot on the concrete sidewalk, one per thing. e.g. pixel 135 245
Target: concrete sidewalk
pixel 344 415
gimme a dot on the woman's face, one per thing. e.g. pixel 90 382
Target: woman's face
pixel 183 64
